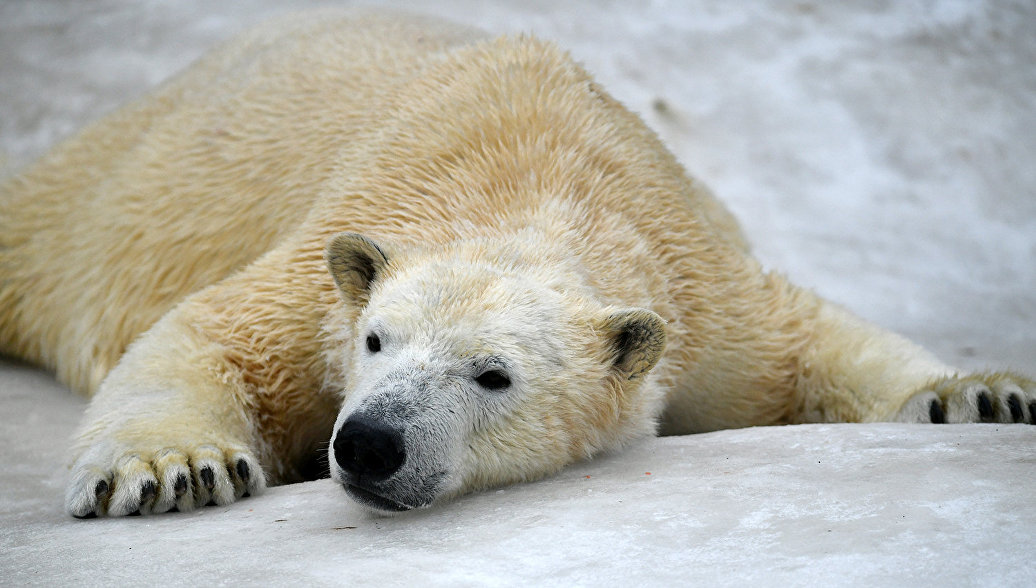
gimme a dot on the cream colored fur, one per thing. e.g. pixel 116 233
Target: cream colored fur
pixel 170 261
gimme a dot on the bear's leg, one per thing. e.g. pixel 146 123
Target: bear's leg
pixel 169 427
pixel 854 371
pixel 991 397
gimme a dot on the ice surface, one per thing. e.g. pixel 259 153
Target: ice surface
pixel 882 154
pixel 815 505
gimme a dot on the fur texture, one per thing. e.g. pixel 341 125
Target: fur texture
pixel 489 216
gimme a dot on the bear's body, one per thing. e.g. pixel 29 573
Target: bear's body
pixel 529 253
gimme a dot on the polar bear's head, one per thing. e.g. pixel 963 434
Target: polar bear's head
pixel 466 371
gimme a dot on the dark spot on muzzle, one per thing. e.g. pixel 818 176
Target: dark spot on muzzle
pixel 368 449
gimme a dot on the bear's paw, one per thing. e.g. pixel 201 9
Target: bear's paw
pixel 116 480
pixel 995 397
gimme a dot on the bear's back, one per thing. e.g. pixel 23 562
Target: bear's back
pixel 309 125
pixel 180 189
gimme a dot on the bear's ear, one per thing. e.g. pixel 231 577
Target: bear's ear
pixel 355 262
pixel 636 339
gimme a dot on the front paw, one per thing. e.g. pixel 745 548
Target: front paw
pixel 119 479
pixel 975 398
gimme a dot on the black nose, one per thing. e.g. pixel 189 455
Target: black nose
pixel 364 447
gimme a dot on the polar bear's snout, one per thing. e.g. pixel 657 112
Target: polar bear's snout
pixel 369 453
pixel 367 449
pixel 395 443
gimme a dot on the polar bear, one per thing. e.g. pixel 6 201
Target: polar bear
pixel 455 256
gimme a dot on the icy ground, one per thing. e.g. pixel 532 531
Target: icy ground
pixel 882 154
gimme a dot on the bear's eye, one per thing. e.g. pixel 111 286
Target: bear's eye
pixel 493 380
pixel 373 343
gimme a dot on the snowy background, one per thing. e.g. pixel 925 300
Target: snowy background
pixel 883 154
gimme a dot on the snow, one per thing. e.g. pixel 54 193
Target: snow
pixel 818 505
pixel 881 154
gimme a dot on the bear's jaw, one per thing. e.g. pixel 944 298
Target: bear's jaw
pixel 373 500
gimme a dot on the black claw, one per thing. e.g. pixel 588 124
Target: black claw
pixel 208 479
pixel 985 405
pixel 148 492
pixel 935 413
pixel 101 489
pixel 180 486
pixel 89 515
pixel 242 470
pixel 1015 404
pixel 1032 412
